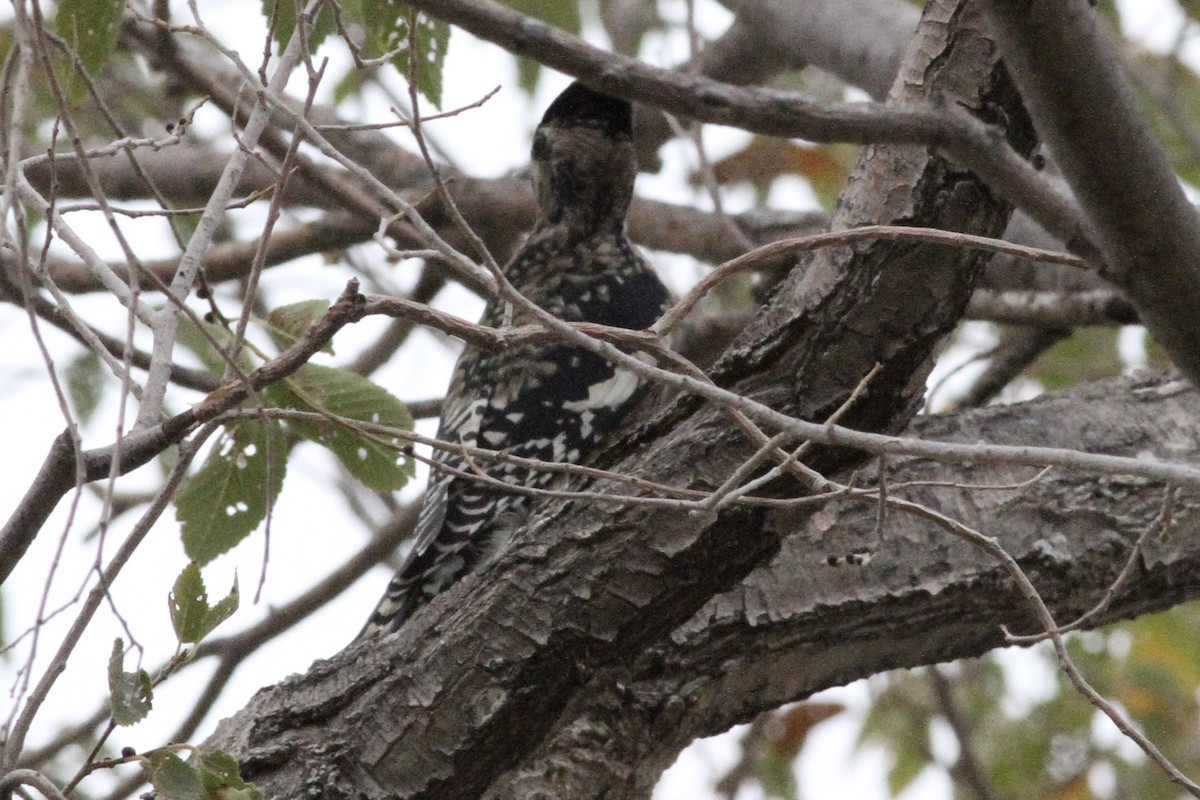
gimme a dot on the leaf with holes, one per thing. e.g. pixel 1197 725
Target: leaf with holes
pixel 388 32
pixel 90 28
pixel 131 694
pixel 281 16
pixel 191 615
pixel 381 461
pixel 227 498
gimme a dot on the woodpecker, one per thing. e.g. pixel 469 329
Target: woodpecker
pixel 552 402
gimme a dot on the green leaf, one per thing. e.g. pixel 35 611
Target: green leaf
pixel 388 25
pixel 205 776
pixel 172 777
pixel 283 12
pixel 349 85
pixel 249 793
pixel 907 765
pixel 223 609
pixel 85 380
pixel 199 339
pixel 223 779
pixel 562 14
pixel 130 693
pixel 380 461
pixel 90 28
pixel 226 499
pixel 288 323
pixel 191 615
pixel 777 776
pixel 1088 354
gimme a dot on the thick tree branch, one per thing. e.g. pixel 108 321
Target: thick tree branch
pixel 1071 534
pixel 1053 309
pixel 797 625
pixel 613 632
pixel 225 261
pixel 1148 230
pixel 1017 349
pixel 184 173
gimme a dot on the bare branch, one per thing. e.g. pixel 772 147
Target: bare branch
pixel 28 777
pixel 755 258
pixel 1055 310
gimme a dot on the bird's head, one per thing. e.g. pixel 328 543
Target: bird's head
pixel 583 160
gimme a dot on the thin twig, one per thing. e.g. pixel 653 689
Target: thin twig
pixel 28 777
pixel 754 258
pixel 744 491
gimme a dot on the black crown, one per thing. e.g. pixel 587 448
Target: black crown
pixel 579 105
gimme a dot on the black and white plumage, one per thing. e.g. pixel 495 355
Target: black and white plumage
pixel 552 402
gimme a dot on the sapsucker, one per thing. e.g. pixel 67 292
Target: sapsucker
pixel 546 401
